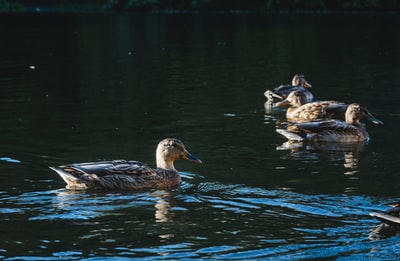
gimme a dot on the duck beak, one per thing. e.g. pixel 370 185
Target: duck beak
pixel 276 95
pixel 270 94
pixel 282 103
pixel 307 84
pixel 374 120
pixel 191 158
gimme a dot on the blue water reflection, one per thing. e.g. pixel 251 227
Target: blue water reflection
pixel 11 160
pixel 321 226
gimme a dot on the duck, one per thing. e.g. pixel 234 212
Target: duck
pixel 301 111
pixel 281 92
pixel 332 130
pixel 128 174
pixel 390 216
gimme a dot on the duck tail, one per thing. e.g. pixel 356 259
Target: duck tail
pixel 290 135
pixel 67 177
pixel 386 218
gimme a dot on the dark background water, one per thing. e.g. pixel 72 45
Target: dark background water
pixel 77 88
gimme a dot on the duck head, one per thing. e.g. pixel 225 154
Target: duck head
pixel 300 80
pixel 355 112
pixel 295 98
pixel 171 149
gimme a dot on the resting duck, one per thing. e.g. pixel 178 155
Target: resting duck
pixel 129 175
pixel 333 130
pixel 301 111
pixel 281 92
pixel 390 216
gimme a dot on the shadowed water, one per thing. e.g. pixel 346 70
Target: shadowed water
pixel 80 88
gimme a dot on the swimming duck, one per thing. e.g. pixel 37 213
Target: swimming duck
pixel 390 216
pixel 281 92
pixel 350 130
pixel 129 175
pixel 301 111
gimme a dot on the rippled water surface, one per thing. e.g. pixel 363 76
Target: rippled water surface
pixel 80 88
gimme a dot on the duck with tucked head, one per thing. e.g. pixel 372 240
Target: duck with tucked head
pixel 281 92
pixel 350 130
pixel 129 175
pixel 301 111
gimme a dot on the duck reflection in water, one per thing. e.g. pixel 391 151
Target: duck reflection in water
pixel 73 204
pixel 348 152
pixel 163 206
pixel 390 222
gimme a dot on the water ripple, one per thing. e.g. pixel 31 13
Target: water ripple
pixel 172 222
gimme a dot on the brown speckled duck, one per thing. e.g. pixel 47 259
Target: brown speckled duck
pixel 129 175
pixel 301 111
pixel 281 92
pixel 350 130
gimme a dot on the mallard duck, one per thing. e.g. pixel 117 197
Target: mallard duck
pixel 350 130
pixel 281 92
pixel 390 216
pixel 129 175
pixel 301 111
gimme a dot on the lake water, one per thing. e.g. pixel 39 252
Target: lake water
pixel 80 88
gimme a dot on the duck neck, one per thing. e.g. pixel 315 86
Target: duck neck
pixel 298 102
pixel 165 164
pixel 350 119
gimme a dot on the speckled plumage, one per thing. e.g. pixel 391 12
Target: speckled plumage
pixel 129 175
pixel 301 111
pixel 332 130
pixel 299 83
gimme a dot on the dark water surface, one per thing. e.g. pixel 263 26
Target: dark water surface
pixel 77 88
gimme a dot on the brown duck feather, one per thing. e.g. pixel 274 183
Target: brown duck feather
pixel 129 175
pixel 301 111
pixel 333 130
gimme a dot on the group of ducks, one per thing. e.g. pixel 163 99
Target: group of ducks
pixel 318 121
pixel 324 121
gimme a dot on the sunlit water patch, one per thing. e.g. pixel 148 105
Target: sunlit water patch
pixel 170 224
pixel 11 160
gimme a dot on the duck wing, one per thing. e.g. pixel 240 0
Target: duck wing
pixel 307 130
pixel 277 92
pixel 117 174
pixel 284 90
pixel 335 110
pixel 107 168
pixel 320 110
pixel 333 131
pixel 305 113
pixel 316 126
